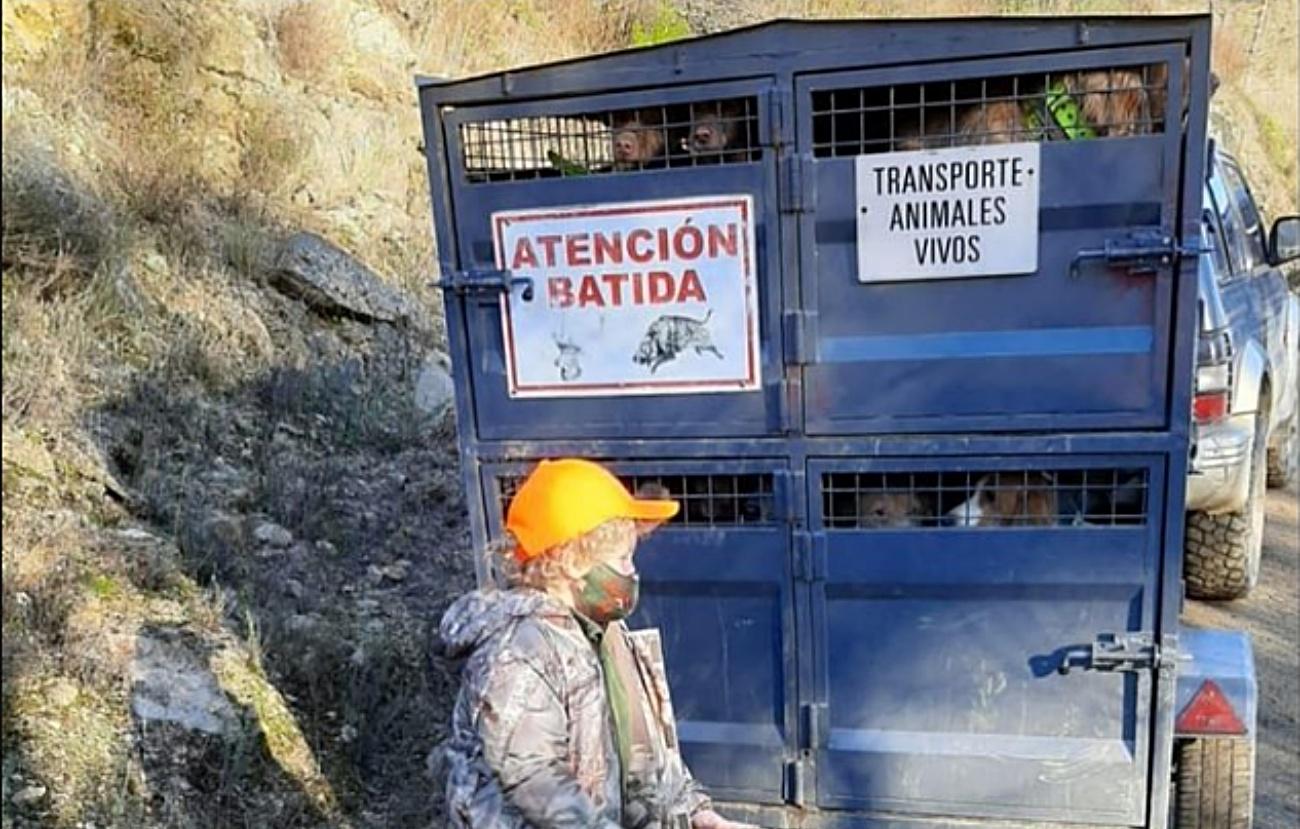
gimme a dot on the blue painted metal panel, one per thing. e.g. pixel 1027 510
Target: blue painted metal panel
pixel 939 651
pixel 1086 351
pixel 497 415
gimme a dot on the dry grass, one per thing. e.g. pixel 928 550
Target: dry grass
pixel 271 152
pixel 464 37
pixel 1228 55
pixel 312 38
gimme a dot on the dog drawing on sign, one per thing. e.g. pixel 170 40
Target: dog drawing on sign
pixel 566 358
pixel 670 335
pixel 1009 499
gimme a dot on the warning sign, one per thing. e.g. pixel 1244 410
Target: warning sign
pixel 656 297
pixel 943 214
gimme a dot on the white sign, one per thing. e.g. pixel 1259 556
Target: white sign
pixel 655 297
pixel 943 214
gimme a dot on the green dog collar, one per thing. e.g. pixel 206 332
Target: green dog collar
pixel 1065 112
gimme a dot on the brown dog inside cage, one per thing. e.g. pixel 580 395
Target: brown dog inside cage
pixel 1087 104
pixel 615 141
pixel 984 499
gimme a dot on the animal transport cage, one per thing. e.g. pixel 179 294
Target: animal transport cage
pixel 903 313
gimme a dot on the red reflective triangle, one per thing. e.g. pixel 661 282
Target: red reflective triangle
pixel 1209 712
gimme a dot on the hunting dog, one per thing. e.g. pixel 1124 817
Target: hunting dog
pixel 886 510
pixel 715 133
pixel 1009 499
pixel 638 139
pixel 1088 104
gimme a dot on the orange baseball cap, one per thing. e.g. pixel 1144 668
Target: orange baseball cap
pixel 566 498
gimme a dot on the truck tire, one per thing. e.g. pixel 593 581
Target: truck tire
pixel 1214 783
pixel 1284 461
pixel 1221 553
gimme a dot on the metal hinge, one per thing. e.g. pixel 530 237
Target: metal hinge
pixel 1143 251
pixel 799 187
pixel 809 556
pixel 796 782
pixel 814 724
pixel 801 336
pixel 486 280
pixel 791 399
pixel 1130 652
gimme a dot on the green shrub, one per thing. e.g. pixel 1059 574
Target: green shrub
pixel 663 25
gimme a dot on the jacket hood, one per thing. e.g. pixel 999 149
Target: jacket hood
pixel 481 614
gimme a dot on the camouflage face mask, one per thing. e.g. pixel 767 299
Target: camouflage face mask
pixel 608 595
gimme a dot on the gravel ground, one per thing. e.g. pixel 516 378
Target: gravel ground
pixel 1272 616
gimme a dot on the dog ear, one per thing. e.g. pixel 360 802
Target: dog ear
pixel 653 491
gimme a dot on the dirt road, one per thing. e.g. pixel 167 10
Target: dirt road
pixel 1272 615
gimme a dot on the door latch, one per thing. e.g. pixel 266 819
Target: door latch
pixel 482 281
pixel 1130 652
pixel 1142 252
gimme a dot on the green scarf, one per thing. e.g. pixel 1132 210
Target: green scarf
pixel 620 673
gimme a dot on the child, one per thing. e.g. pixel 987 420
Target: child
pixel 563 718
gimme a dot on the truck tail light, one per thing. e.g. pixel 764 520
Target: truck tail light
pixel 1210 406
pixel 1213 378
pixel 1209 712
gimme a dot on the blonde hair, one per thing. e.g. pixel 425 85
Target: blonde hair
pixel 567 563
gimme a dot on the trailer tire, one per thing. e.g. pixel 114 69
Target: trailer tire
pixel 1222 552
pixel 1214 783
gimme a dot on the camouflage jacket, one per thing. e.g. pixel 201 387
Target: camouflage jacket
pixel 532 743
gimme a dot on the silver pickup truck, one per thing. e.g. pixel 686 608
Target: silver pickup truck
pixel 1246 420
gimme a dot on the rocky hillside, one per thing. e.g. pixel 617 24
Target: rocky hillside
pixel 231 505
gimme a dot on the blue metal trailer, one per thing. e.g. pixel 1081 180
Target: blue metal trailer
pixel 904 312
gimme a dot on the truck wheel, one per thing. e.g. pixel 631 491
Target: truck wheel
pixel 1214 783
pixel 1284 461
pixel 1221 555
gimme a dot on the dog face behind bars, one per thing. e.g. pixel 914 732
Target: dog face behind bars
pixel 1009 499
pixel 638 139
pixel 716 132
pixel 1111 103
pixel 882 510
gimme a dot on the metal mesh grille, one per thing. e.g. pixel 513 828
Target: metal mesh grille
pixel 1000 498
pixel 614 141
pixel 707 500
pixel 1101 103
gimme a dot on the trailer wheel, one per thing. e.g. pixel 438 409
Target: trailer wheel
pixel 1221 552
pixel 1214 783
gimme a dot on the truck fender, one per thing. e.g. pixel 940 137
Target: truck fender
pixel 1288 387
pixel 1251 370
pixel 1227 659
